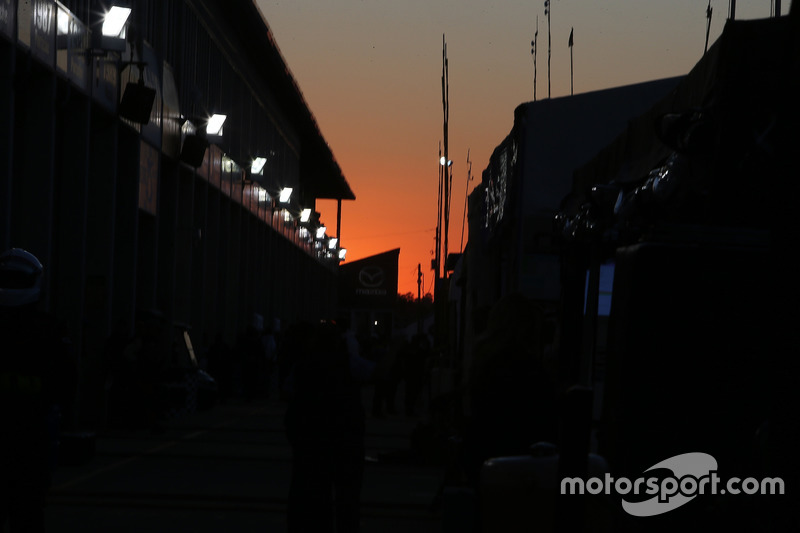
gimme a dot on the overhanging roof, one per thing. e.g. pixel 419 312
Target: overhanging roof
pixel 244 30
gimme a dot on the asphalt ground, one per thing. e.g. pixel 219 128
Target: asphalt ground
pixel 229 469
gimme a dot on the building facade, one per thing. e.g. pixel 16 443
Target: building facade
pixel 113 176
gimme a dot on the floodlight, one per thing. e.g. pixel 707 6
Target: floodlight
pixel 258 165
pixel 214 126
pixel 114 21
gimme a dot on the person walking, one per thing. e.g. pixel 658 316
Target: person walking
pixel 325 425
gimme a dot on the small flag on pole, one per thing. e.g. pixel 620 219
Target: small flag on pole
pixel 570 36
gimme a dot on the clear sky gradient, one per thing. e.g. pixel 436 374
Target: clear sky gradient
pixel 370 71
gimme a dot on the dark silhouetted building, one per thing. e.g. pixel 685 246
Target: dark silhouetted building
pixel 114 174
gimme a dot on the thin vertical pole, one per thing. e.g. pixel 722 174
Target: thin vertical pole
pixel 466 195
pixel 339 221
pixel 533 53
pixel 448 176
pixel 547 9
pixel 437 254
pixel 709 10
pixel 571 80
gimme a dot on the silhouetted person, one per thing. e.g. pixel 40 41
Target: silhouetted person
pixel 512 396
pixel 325 427
pixel 37 375
pixel 387 376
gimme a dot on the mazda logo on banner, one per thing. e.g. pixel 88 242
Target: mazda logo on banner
pixel 371 277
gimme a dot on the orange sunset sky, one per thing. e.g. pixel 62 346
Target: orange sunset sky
pixel 370 71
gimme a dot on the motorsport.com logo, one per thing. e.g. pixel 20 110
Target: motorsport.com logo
pixel 693 474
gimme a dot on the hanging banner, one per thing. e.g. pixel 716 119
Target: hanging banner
pixel 370 282
pixel 72 41
pixel 36 29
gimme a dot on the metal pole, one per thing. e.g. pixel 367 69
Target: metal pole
pixel 339 221
pixel 547 8
pixel 466 195
pixel 533 53
pixel 571 79
pixel 709 10
pixel 448 176
pixel 437 253
pixel 419 299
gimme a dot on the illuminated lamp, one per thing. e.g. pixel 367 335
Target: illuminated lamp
pixel 214 125
pixel 214 128
pixel 111 37
pixel 332 243
pixel 285 195
pixel 305 215
pixel 257 166
pixel 342 253
pixel 321 232
pixel 115 20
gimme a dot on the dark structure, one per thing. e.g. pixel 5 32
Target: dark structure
pixel 668 261
pixel 368 292
pixel 692 207
pixel 511 247
pixel 114 175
